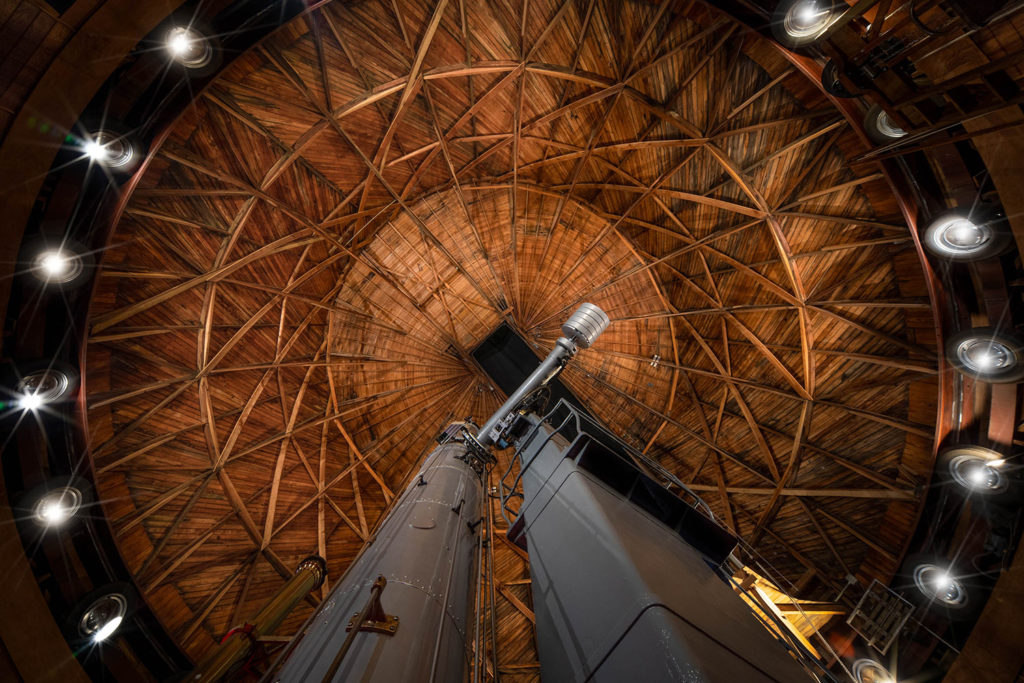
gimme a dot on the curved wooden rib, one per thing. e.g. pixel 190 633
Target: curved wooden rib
pixel 295 287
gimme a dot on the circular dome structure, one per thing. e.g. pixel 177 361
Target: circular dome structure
pixel 287 313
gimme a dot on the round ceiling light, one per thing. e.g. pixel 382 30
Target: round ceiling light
pixel 984 355
pixel 887 128
pixel 189 47
pixel 976 468
pixel 880 127
pixel 43 386
pixel 110 150
pixel 102 617
pixel 958 237
pixel 939 585
pixel 57 506
pixel 987 354
pixel 797 23
pixel 57 265
pixel 869 671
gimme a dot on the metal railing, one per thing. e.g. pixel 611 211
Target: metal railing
pixel 574 427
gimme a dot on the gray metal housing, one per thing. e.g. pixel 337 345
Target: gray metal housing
pixel 426 549
pixel 619 595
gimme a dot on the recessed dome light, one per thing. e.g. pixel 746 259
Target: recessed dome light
pixel 887 128
pixel 869 671
pixel 57 506
pixel 939 585
pixel 189 47
pixel 103 616
pixel 57 265
pixel 958 236
pixel 987 354
pixel 881 127
pixel 108 149
pixel 806 18
pixel 43 386
pixel 976 468
pixel 800 22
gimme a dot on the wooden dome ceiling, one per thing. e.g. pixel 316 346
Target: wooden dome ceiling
pixel 285 314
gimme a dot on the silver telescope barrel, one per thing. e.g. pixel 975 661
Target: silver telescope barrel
pixel 580 330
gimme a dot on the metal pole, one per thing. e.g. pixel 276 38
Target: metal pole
pixel 490 586
pixel 239 643
pixel 477 625
pixel 564 349
pixel 581 330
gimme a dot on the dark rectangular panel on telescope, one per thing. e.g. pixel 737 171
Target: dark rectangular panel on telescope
pixel 507 359
pixel 61 6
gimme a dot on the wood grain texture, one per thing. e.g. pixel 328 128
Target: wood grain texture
pixel 285 316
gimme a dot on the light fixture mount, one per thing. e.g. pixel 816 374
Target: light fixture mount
pixel 57 506
pixel 189 47
pixel 987 354
pixel 110 149
pixel 977 469
pixel 102 617
pixel 960 235
pixel 797 23
pixel 45 385
pixel 938 584
pixel 866 670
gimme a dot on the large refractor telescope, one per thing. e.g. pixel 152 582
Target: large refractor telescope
pixel 402 611
pixel 631 580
